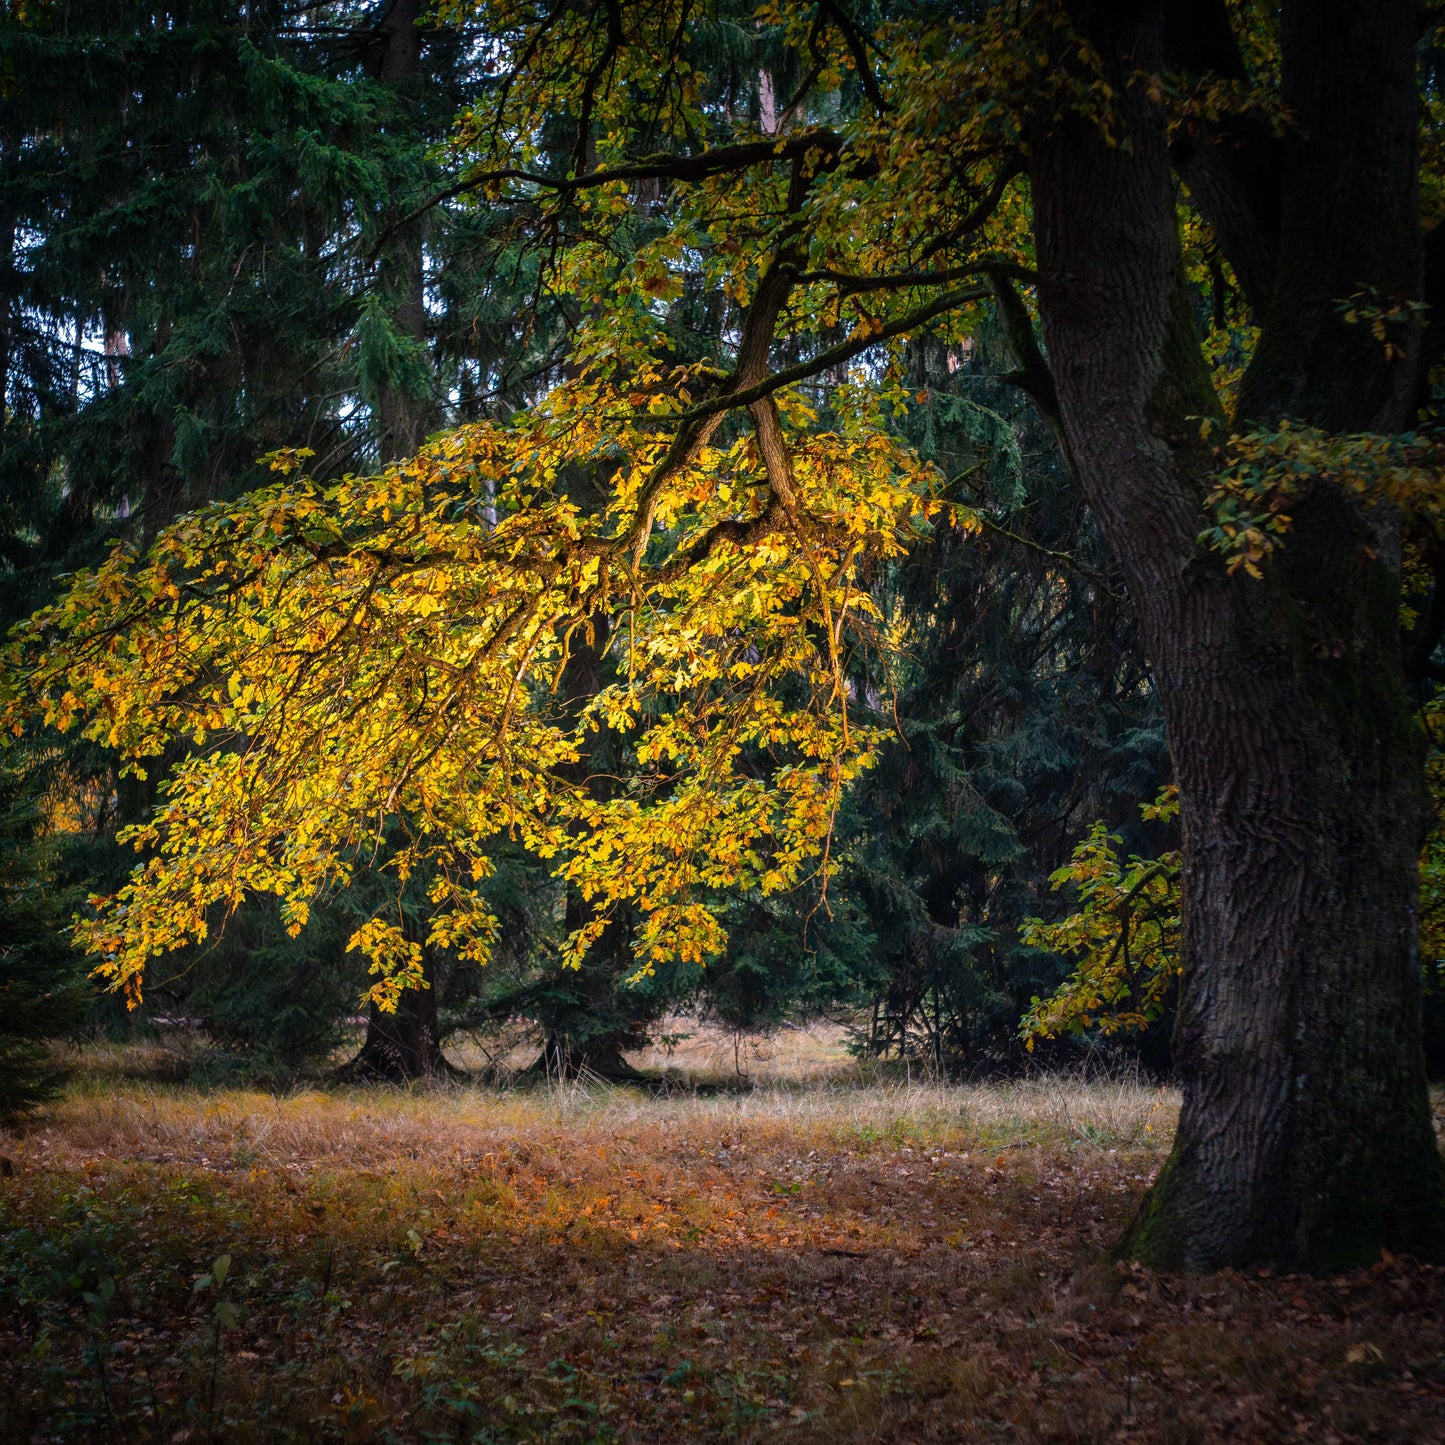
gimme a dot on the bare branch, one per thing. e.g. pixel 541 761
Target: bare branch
pixel 728 400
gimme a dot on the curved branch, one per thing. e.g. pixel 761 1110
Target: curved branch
pixel 695 427
pixel 664 166
pixel 1031 374
pixel 987 204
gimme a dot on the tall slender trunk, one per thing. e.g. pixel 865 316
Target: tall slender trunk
pixel 1305 1135
pixel 588 1026
pixel 404 1045
pixel 403 417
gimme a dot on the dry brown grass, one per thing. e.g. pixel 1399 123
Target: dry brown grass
pixel 161 1123
pixel 897 1261
pixel 691 1051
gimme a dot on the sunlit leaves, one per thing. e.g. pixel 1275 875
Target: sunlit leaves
pixel 1123 938
pixel 321 663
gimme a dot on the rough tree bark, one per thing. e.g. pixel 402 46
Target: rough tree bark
pixel 1305 1137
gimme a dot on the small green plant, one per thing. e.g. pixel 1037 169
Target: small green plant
pixel 1268 472
pixel 1124 936
pixel 223 1314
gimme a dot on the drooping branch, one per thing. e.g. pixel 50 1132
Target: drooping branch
pixel 751 384
pixel 699 423
pixel 605 61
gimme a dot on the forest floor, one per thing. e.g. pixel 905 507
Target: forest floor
pixel 830 1260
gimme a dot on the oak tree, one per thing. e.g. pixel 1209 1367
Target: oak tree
pixel 389 650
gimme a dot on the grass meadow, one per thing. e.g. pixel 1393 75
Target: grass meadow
pixel 823 1255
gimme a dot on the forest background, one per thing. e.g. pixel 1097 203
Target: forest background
pixel 534 530
pixel 561 648
pixel 223 239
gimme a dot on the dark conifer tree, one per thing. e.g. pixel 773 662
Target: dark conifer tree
pixel 1023 710
pixel 204 257
pixel 42 989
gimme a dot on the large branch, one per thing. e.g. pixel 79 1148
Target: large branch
pixel 663 166
pixel 1031 373
pixel 852 284
pixel 733 397
pixel 697 425
pixel 1232 167
pixel 858 44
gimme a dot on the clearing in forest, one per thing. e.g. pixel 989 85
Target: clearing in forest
pixel 828 1262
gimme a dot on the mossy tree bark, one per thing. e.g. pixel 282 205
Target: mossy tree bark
pixel 1305 1137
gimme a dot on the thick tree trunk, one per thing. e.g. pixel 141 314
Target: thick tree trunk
pixel 1305 1136
pixel 587 1029
pixel 401 1047
pixel 568 1056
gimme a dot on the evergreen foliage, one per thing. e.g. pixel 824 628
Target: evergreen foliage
pixel 41 977
pixel 1022 706
pixel 219 244
pixel 307 141
pixel 202 262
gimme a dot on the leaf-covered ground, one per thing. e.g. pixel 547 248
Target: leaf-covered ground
pixel 865 1263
